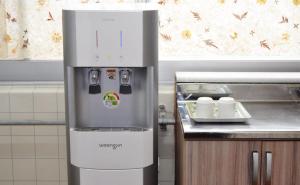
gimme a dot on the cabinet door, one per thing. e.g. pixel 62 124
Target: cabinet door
pixel 281 163
pixel 223 163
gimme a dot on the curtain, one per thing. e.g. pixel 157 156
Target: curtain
pixel 229 28
pixel 32 29
pixel 3 45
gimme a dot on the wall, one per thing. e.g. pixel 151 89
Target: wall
pixel 33 155
pixel 36 154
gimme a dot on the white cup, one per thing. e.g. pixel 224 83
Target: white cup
pixel 226 107
pixel 205 107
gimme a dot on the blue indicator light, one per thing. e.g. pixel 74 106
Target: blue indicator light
pixel 121 39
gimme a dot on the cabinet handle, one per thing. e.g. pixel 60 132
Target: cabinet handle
pixel 255 167
pixel 268 173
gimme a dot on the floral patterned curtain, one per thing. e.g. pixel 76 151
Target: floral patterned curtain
pixel 258 28
pixel 32 29
pixel 233 28
pixel 3 45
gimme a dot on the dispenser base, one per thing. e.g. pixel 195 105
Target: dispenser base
pixel 114 149
pixel 111 177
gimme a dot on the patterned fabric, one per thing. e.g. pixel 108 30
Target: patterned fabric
pixel 188 28
pixel 247 28
pixel 32 28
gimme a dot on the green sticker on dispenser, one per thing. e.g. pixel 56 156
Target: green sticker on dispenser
pixel 111 100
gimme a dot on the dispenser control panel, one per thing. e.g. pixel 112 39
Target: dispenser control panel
pixel 111 39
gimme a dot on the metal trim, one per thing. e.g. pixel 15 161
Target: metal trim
pixel 29 70
pixel 52 70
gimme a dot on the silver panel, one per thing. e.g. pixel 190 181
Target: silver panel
pixel 100 44
pixel 131 112
pixel 150 31
pixel 69 35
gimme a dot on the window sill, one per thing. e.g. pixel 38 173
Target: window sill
pixel 52 70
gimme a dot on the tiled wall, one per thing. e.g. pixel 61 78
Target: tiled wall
pixel 166 152
pixel 33 155
pixel 32 102
pixel 36 154
pixel 166 139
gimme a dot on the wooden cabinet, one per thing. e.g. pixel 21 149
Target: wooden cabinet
pixel 281 163
pixel 221 162
pixel 218 162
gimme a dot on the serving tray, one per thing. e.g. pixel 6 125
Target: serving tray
pixel 202 90
pixel 241 114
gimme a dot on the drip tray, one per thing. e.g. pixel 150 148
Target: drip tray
pixel 111 129
pixel 111 150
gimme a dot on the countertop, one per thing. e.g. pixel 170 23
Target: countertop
pixel 269 121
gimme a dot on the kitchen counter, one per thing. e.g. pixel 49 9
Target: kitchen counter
pixel 263 150
pixel 272 99
pixel 269 121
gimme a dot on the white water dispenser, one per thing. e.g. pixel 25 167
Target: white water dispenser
pixel 111 86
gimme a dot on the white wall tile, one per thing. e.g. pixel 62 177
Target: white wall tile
pixel 166 146
pixel 60 100
pixel 48 183
pixel 45 116
pixel 6 182
pixel 166 183
pixel 62 146
pixel 61 117
pixel 63 173
pixel 168 132
pixel 5 146
pixel 46 146
pixel 47 169
pixel 46 130
pixel 23 147
pixel 6 169
pixel 63 182
pixel 166 96
pixel 166 170
pixel 22 130
pixel 24 182
pixel 24 169
pixel 45 99
pixel 61 130
pixel 5 130
pixel 4 116
pixel 21 99
pixel 4 98
pixel 21 116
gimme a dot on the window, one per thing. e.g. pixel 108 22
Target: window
pixel 188 28
pixel 32 29
pixel 255 28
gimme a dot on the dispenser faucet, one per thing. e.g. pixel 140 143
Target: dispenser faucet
pixel 94 81
pixel 125 81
